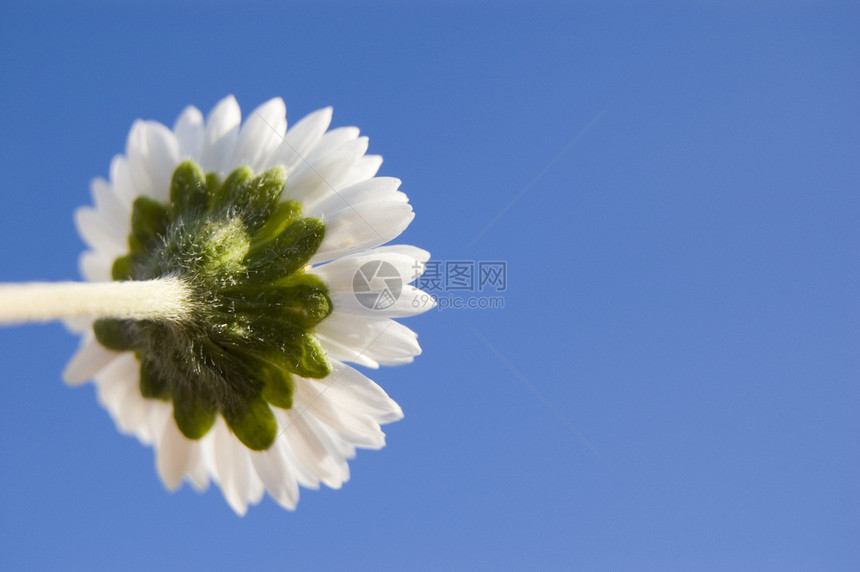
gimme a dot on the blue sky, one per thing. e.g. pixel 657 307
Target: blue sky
pixel 673 380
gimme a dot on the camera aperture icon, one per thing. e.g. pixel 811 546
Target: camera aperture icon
pixel 377 285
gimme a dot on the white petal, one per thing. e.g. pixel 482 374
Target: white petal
pixel 172 455
pixel 120 178
pixel 163 157
pixel 153 154
pixel 139 416
pixel 157 414
pixel 362 226
pixel 363 169
pixel 136 153
pixel 80 325
pixel 118 381
pixel 226 467
pixel 338 452
pixel 208 456
pixel 410 302
pixel 196 469
pixel 355 428
pixel 119 392
pixel 311 452
pixel 331 141
pixel 304 477
pixel 345 450
pixel 381 341
pixel 409 261
pixel 320 176
pixel 95 266
pixel 189 129
pixel 379 188
pixel 300 139
pixel 273 468
pixel 239 482
pixel 100 233
pixel 247 481
pixel 111 388
pixel 222 129
pixel 336 459
pixel 263 131
pixel 345 352
pixel 360 216
pixel 90 358
pixel 363 395
pixel 111 206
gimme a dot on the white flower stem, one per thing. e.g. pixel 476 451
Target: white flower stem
pixel 163 299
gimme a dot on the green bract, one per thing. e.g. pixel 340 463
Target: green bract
pixel 243 254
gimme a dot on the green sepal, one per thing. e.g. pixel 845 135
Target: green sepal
pixel 271 334
pixel 152 383
pixel 283 215
pixel 301 300
pixel 192 416
pixel 305 357
pixel 304 305
pixel 287 253
pixel 255 426
pixel 278 385
pixel 221 249
pixel 213 185
pixel 122 268
pixel 261 197
pixel 188 190
pixel 118 335
pixel 230 196
pixel 149 223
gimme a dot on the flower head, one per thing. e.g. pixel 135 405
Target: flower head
pixel 274 237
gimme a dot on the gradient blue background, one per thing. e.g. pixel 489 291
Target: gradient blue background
pixel 683 282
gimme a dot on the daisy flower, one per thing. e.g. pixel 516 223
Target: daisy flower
pixel 241 269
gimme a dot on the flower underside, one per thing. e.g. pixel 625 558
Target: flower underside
pixel 242 251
